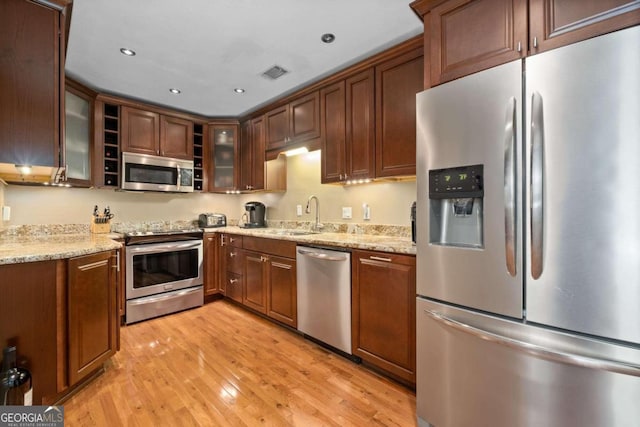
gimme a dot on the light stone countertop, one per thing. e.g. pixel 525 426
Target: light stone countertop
pixel 20 249
pixel 400 245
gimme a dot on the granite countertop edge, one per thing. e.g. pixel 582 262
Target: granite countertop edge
pixel 382 243
pixel 23 249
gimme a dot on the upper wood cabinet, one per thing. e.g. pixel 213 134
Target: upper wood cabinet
pixel 555 23
pixel 398 80
pixel 368 121
pixel 252 155
pixel 32 37
pixel 348 128
pixel 466 36
pixel 223 158
pixel 147 132
pixel 292 123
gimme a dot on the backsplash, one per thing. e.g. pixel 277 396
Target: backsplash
pixel 123 227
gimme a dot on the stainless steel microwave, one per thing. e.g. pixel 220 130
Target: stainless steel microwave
pixel 153 173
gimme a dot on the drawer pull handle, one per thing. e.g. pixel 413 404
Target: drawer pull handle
pixel 379 258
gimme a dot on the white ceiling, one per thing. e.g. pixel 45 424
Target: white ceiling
pixel 206 48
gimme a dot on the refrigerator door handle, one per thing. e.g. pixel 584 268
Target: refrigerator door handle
pixel 510 187
pixel 537 185
pixel 536 350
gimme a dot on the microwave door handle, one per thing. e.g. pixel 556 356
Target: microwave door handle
pixel 537 185
pixel 510 187
pixel 179 177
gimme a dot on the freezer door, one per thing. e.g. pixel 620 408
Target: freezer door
pixel 583 156
pixel 474 121
pixel 478 370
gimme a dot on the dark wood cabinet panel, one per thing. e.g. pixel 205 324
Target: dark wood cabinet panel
pixel 31 83
pixel 233 285
pixel 29 295
pixel 176 138
pixel 333 132
pixel 211 264
pixel 277 127
pixel 397 83
pixel 92 313
pixel 282 290
pixel 466 36
pixel 246 154
pixel 472 35
pixel 348 128
pixel 292 123
pixel 257 164
pixel 255 286
pixel 360 125
pixel 304 118
pixel 554 23
pixel 140 131
pixel 383 311
pixel 252 155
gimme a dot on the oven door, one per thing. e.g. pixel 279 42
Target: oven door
pixel 162 267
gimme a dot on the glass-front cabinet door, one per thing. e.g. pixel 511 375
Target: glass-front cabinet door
pixel 78 109
pixel 224 158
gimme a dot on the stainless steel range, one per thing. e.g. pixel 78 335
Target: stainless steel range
pixel 163 272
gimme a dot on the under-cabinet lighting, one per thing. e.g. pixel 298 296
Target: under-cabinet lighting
pixel 296 151
pixel 175 91
pixel 24 169
pixel 238 90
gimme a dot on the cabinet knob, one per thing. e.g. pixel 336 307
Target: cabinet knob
pixel 233 281
pixel 232 254
pixel 231 239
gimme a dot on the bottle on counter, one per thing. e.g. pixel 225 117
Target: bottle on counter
pixel 16 384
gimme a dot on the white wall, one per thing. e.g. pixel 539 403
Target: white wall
pixel 390 202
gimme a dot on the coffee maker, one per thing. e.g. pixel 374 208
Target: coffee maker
pixel 254 217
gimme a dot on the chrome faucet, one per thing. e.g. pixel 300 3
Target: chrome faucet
pixel 317 226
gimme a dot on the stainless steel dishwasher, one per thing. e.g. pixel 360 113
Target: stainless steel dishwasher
pixel 324 296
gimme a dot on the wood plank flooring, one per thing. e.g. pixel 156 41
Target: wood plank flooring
pixel 219 365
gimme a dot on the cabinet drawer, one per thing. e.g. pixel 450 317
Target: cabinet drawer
pixel 232 240
pixel 234 258
pixel 283 248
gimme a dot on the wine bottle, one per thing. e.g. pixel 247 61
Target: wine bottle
pixel 17 386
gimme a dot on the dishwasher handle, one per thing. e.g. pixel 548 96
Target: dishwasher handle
pixel 322 256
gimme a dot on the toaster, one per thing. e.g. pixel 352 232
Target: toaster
pixel 209 220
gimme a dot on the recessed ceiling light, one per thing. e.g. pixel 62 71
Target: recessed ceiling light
pixel 127 52
pixel 328 38
pixel 238 90
pixel 175 91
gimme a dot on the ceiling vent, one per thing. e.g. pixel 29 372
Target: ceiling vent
pixel 274 72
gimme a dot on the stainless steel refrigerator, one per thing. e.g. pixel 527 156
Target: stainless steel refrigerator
pixel 528 241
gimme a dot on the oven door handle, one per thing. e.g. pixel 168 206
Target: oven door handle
pixel 142 249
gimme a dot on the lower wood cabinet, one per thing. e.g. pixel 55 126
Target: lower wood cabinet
pixel 62 316
pixel 255 282
pixel 260 273
pixel 211 264
pixel 383 312
pixel 282 291
pixel 91 313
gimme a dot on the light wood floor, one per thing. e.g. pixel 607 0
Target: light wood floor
pixel 219 365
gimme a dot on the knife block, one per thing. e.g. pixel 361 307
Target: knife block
pixel 100 228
